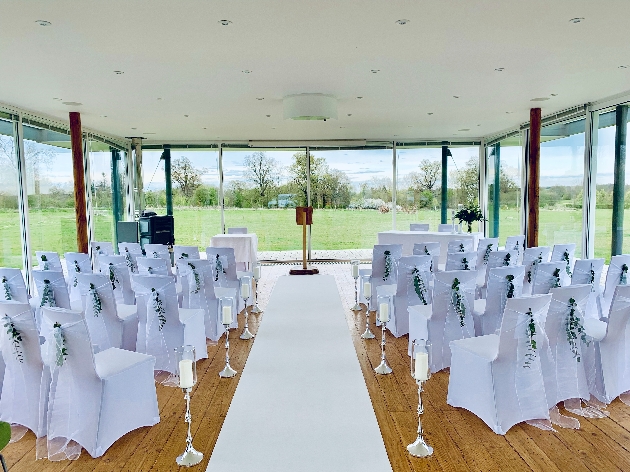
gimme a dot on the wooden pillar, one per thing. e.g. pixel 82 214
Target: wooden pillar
pixel 619 185
pixel 533 172
pixel 76 139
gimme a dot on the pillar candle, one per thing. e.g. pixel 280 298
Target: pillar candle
pixel 257 272
pixel 226 313
pixel 367 289
pixel 355 270
pixel 383 312
pixel 245 290
pixel 422 366
pixel 185 373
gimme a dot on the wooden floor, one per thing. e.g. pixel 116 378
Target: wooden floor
pixel 460 440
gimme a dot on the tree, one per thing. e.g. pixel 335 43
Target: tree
pixel 36 155
pixel 262 171
pixel 298 173
pixel 467 182
pixel 187 177
pixel 428 176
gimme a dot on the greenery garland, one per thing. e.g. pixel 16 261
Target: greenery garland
pixel 60 344
pixel 458 302
pixel 418 285
pixel 388 264
pixel 556 277
pixel 535 262
pixel 510 285
pixel 16 337
pixel 97 306
pixel 426 252
pixel 486 254
pixel 48 295
pixel 506 259
pixel 7 289
pixel 567 259
pixel 77 270
pixel 196 277
pixel 218 268
pixel 159 308
pixel 465 264
pixel 113 278
pixel 45 261
pixel 461 247
pixel 623 279
pixel 575 329
pixel 129 259
pixel 531 341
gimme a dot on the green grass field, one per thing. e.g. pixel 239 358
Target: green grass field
pixel 276 229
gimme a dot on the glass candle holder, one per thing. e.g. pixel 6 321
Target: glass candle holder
pixel 186 367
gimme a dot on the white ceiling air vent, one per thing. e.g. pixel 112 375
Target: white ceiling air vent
pixel 310 106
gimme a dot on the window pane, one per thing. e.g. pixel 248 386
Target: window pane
pixel 101 190
pixel 463 180
pixel 10 233
pixel 604 190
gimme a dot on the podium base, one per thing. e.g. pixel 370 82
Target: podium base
pixel 302 271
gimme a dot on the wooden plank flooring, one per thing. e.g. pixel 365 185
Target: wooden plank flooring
pixel 460 440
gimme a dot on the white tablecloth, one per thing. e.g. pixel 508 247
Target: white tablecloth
pixel 245 246
pixel 409 238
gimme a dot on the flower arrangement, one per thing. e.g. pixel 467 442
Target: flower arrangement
pixel 7 289
pixel 388 264
pixel 158 307
pixel 418 285
pixel 469 214
pixel 458 301
pixel 97 306
pixel 60 343
pixel 531 341
pixel 48 295
pixel 16 337
pixel 575 329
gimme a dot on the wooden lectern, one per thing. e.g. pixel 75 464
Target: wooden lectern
pixel 304 217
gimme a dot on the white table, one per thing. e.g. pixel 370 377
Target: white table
pixel 409 238
pixel 245 247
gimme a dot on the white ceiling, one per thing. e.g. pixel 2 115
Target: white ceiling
pixel 178 52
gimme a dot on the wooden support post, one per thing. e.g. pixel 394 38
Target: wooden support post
pixel 76 139
pixel 304 245
pixel 619 185
pixel 533 173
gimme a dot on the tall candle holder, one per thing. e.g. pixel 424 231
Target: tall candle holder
pixel 246 288
pixel 384 310
pixel 187 371
pixel 354 266
pixel 367 294
pixel 420 372
pixel 257 274
pixel 225 310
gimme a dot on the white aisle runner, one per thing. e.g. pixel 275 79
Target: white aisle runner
pixel 301 404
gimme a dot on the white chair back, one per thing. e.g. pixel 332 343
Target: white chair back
pixel 237 230
pixel 419 227
pixel 531 258
pixel 504 283
pixel 484 248
pixel 12 286
pixel 460 245
pixel 548 275
pixel 159 251
pixel 566 253
pixel 51 288
pixel 223 265
pixel 116 268
pixel 446 228
pixel 381 268
pixel 432 249
pixel 100 248
pixel 516 243
pixel 588 271
pixel 152 266
pixel 48 260
pixel 130 251
pixel 76 263
pixel 617 274
pixel 185 252
pixel 503 258
pixel 461 261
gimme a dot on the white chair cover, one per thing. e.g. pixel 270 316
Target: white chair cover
pixel 237 230
pixel 446 228
pixel 76 263
pixel 24 373
pixel 12 286
pixel 48 260
pixel 152 266
pixel 161 326
pixel 116 269
pixel 100 248
pixel 531 258
pixel 503 283
pixel 461 261
pixel 419 227
pixel 130 251
pixel 224 270
pixel 548 275
pixel 432 249
pixel 460 245
pixel 516 243
pixel 563 364
pixel 51 291
pixel 589 271
pixel 159 251
pixel 452 317
pixel 385 259
pixel 566 253
pixel 185 252
pixel 617 275
pixel 94 399
pixel 499 377
pixel 484 248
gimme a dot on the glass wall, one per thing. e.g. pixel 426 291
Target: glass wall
pixel 504 166
pixel 418 185
pixel 101 191
pixel 561 184
pixel 10 232
pixel 50 185
pixel 463 179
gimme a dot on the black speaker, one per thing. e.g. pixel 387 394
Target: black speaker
pixel 156 230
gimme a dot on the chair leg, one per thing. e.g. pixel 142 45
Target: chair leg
pixel 4 465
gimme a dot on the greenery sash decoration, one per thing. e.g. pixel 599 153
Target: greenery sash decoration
pixel 486 254
pixel 61 353
pixel 128 259
pixel 567 259
pixel 97 306
pixel 531 341
pixel 196 278
pixel 113 278
pixel 77 270
pixel 623 279
pixel 510 286
pixel 158 308
pixel 556 279
pixel 16 337
pixel 575 329
pixel 592 280
pixel 426 251
pixel 183 256
pixel 155 255
pixel 461 247
pixel 518 250
pixel 458 302
pixel 388 264
pixel 48 295
pixel 506 259
pixel 150 270
pixel 7 289
pixel 418 285
pixel 218 268
pixel 465 264
pixel 45 261
pixel 536 261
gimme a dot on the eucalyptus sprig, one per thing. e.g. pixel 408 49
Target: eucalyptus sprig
pixel 60 344
pixel 77 270
pixel 388 264
pixel 531 340
pixel 183 256
pixel 461 247
pixel 567 259
pixel 155 255
pixel 465 263
pixel 16 337
pixel 517 247
pixel 509 280
pixel 48 295
pixel 486 254
pixel 7 289
pixel 97 306
pixel 536 261
pixel 556 278
pixel 506 259
pixel 159 308
pixel 196 278
pixel 575 329
pixel 113 278
pixel 623 278
pixel 592 281
pixel 418 285
pixel 458 302
pixel 426 251
pixel 129 260
pixel 45 261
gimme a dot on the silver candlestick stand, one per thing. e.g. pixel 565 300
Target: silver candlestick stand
pixel 227 370
pixel 246 334
pixel 419 447
pixel 256 309
pixel 383 368
pixel 356 306
pixel 190 456
pixel 367 334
